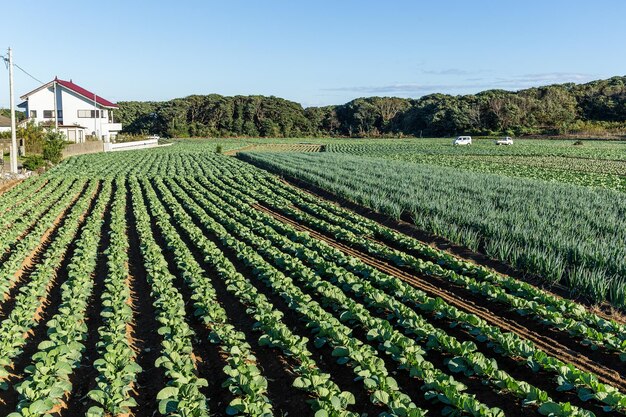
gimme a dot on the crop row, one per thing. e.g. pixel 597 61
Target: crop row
pixel 17 219
pixel 49 379
pixel 21 247
pixel 18 194
pixel 116 365
pixel 182 395
pixel 28 302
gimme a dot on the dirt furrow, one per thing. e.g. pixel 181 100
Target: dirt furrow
pixel 548 345
pixel 144 329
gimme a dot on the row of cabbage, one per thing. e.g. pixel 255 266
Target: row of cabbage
pixel 48 382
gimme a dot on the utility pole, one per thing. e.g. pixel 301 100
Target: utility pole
pixel 13 156
pixel 56 111
pixel 95 115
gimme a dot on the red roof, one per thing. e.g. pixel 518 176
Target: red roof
pixel 78 90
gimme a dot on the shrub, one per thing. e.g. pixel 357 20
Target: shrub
pixel 218 149
pixel 33 136
pixel 33 162
pixel 54 142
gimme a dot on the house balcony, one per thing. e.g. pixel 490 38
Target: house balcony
pixel 112 127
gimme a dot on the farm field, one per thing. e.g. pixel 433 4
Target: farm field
pixel 182 282
pixel 560 232
pixel 598 164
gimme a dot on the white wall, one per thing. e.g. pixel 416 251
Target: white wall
pixel 127 146
pixel 72 103
pixel 40 101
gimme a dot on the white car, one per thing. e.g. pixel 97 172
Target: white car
pixel 505 141
pixel 463 140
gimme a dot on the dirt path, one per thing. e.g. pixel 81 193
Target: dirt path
pixel 278 147
pixel 233 152
pixel 548 345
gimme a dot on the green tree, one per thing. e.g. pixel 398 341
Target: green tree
pixel 54 143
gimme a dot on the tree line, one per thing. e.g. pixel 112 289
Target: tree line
pixel 595 108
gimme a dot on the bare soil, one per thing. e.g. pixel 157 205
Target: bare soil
pixel 146 340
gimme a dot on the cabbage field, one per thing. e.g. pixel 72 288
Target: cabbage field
pixel 179 281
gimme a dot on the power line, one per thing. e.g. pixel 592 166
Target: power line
pixel 6 62
pixel 31 76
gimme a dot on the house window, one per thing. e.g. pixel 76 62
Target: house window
pixel 33 114
pixel 48 114
pixel 88 114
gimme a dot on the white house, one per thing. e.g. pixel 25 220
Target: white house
pixel 73 110
pixel 5 124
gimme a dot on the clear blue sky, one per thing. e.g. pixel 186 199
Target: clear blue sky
pixel 313 52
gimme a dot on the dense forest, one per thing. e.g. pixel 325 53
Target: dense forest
pixel 597 108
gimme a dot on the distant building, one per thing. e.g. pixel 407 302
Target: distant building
pixel 79 112
pixel 5 124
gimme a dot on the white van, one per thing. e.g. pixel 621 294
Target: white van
pixel 463 140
